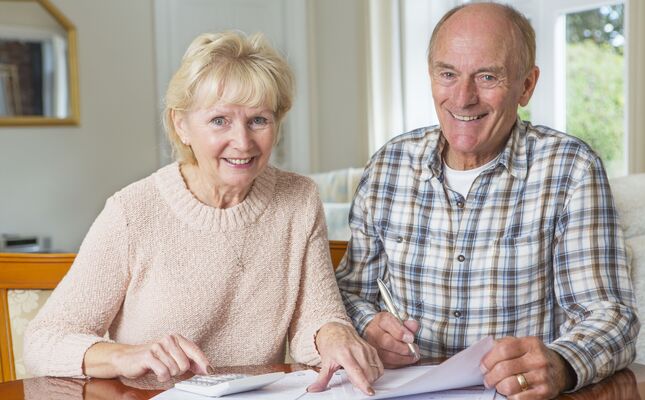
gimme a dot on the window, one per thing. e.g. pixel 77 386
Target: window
pixel 581 48
pixel 595 81
pixel 590 85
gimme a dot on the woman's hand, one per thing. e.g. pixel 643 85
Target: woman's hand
pixel 172 355
pixel 340 346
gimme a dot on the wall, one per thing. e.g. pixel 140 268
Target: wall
pixel 339 92
pixel 325 43
pixel 30 14
pixel 55 180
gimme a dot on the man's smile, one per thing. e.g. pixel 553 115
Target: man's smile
pixel 467 117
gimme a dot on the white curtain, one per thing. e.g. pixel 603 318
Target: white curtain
pixel 399 94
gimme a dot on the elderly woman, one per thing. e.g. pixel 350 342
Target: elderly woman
pixel 212 260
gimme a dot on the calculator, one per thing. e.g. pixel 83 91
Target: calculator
pixel 221 385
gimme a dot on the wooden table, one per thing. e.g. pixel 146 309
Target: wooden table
pixel 628 384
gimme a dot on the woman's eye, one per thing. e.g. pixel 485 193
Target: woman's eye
pixel 261 121
pixel 218 121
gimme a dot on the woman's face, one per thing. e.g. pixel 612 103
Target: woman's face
pixel 232 143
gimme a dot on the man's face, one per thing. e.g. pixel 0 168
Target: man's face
pixel 477 86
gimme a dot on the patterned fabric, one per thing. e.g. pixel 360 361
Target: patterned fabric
pixel 23 306
pixel 336 189
pixel 337 186
pixel 629 192
pixel 534 250
pixel 235 281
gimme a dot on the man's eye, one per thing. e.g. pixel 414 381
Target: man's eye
pixel 218 121
pixel 488 80
pixel 447 75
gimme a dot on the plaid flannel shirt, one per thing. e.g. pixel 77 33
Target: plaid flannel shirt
pixel 534 250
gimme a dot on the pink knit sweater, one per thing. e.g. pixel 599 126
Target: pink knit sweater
pixel 236 281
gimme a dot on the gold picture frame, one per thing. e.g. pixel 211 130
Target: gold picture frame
pixel 60 106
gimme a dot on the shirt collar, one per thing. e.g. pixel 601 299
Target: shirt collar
pixel 513 156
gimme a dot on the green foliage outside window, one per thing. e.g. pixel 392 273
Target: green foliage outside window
pixel 524 113
pixel 595 100
pixel 595 82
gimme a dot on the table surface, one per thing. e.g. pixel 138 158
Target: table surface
pixel 628 384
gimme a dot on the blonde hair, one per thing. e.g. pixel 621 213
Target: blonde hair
pixel 526 41
pixel 227 67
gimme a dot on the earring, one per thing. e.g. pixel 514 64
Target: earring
pixel 184 141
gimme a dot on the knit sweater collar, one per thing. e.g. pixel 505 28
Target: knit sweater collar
pixel 193 212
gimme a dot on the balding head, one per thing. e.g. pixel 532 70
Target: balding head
pixel 511 25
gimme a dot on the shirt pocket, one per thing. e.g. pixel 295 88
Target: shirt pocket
pixel 517 272
pixel 409 250
pixel 397 248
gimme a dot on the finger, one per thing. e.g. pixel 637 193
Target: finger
pixel 321 382
pixel 358 377
pixel 504 349
pixel 160 369
pixel 503 370
pixel 372 369
pixel 539 393
pixel 378 365
pixel 395 360
pixel 412 325
pixel 391 325
pixel 391 344
pixel 163 356
pixel 509 385
pixel 535 387
pixel 169 343
pixel 196 355
pixel 365 357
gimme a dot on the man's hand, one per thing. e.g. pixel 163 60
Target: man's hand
pixel 391 339
pixel 545 372
pixel 340 346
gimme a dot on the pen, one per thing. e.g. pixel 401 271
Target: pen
pixel 389 303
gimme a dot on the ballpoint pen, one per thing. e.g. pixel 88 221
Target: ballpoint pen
pixel 389 303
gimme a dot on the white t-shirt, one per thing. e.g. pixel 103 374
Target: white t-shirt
pixel 461 180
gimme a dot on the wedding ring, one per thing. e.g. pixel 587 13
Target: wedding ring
pixel 521 379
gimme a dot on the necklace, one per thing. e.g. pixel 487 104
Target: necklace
pixel 239 250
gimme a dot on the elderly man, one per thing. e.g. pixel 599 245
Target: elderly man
pixel 487 225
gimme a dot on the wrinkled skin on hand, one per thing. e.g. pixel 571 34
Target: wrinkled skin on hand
pixel 546 372
pixel 340 346
pixel 391 339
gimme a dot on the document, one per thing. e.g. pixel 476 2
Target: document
pixel 474 393
pixel 458 377
pixel 459 371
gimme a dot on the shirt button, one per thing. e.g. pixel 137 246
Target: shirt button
pixel 460 204
pixel 457 314
pixel 461 258
pixel 399 239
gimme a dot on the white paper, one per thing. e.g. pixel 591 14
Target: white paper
pixel 424 382
pixel 475 393
pixel 292 386
pixel 459 371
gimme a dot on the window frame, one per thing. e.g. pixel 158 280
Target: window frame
pixel 548 105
